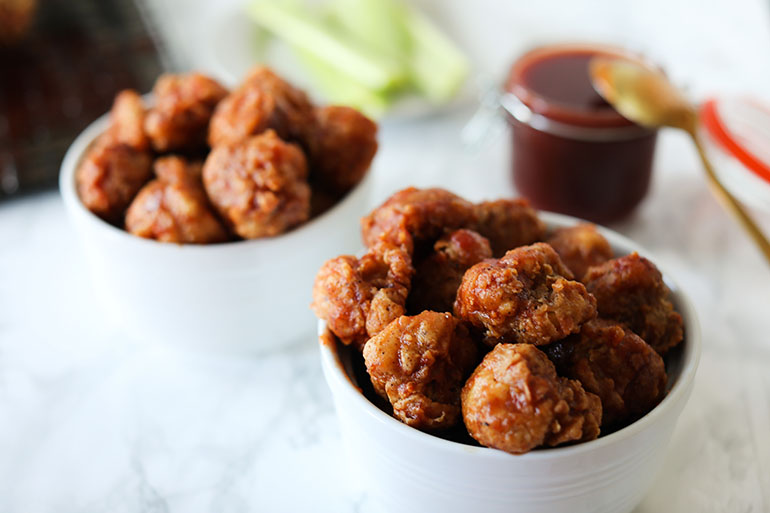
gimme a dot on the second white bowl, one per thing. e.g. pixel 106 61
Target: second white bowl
pixel 407 470
pixel 245 296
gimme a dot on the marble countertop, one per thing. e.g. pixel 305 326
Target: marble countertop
pixel 92 420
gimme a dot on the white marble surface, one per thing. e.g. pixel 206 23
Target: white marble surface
pixel 93 421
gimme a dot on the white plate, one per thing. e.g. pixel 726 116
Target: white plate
pixel 234 44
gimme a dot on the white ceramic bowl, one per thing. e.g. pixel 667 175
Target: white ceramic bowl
pixel 245 296
pixel 407 470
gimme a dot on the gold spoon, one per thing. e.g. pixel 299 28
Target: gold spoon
pixel 644 95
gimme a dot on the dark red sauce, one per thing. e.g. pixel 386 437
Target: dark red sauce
pixel 563 78
pixel 583 158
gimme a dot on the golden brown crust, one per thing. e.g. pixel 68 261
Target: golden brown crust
pixel 630 291
pixel 358 297
pixel 341 143
pixel 514 401
pixel 175 169
pixel 174 206
pixel 263 101
pixel 415 216
pixel 127 120
pixel 612 362
pixel 258 185
pixel 438 276
pixel 183 105
pixel 118 163
pixel 580 247
pixel 109 177
pixel 526 296
pixel 419 364
pixel 508 224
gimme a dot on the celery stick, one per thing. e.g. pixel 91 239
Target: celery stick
pixel 340 89
pixel 377 24
pixel 369 68
pixel 438 68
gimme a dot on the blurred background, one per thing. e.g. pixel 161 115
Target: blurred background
pixel 61 62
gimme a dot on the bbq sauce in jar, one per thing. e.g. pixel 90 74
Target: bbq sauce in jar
pixel 572 152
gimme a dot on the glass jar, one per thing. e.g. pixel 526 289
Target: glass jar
pixel 572 152
pixel 735 132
